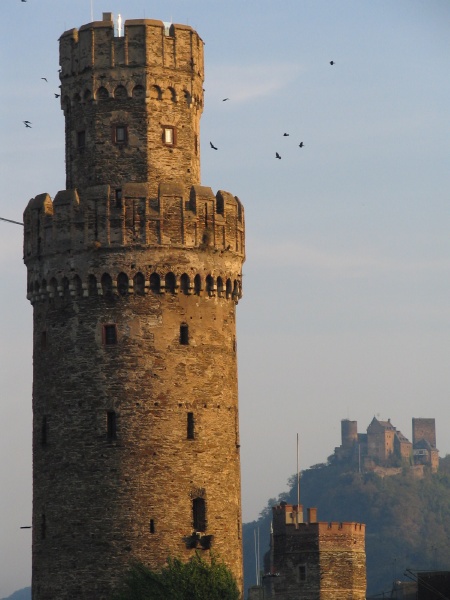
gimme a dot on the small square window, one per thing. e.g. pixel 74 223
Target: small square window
pixel 109 335
pixel 169 136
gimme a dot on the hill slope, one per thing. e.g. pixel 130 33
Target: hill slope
pixel 407 519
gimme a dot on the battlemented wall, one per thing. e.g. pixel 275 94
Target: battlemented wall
pixel 315 560
pixel 134 274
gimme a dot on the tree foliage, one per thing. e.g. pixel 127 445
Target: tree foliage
pixel 197 579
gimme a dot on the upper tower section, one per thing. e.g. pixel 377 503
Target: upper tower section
pixel 132 103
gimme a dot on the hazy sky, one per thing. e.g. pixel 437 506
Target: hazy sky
pixel 346 307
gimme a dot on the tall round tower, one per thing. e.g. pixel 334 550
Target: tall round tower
pixel 134 272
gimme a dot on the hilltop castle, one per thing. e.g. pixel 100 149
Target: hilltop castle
pixel 386 446
pixel 134 273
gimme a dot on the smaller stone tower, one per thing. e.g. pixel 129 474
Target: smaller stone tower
pixel 424 429
pixel 349 433
pixel 313 560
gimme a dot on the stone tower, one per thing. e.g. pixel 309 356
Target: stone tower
pixel 315 560
pixel 134 273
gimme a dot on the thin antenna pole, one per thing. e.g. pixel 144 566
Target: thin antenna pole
pixel 298 479
pixel 256 557
pixel 259 563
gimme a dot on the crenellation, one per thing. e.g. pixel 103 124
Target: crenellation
pixel 97 217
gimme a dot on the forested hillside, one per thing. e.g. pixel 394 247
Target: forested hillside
pixel 407 519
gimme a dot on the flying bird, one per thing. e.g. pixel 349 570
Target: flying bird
pixel 331 62
pixel 212 146
pixel 44 78
pixel 57 95
pixel 277 155
pixel 27 124
pixel 225 99
pixel 301 145
pixel 24 0
pixel 285 134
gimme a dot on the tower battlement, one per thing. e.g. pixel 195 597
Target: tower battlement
pixel 145 43
pixel 97 222
pixel 104 217
pixel 288 520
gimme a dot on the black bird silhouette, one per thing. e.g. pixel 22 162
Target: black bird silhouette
pixel 27 124
pixel 331 62
pixel 301 145
pixel 225 99
pixel 44 78
pixel 24 0
pixel 212 146
pixel 285 134
pixel 57 95
pixel 277 155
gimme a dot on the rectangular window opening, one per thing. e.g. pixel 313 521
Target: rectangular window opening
pixel 169 136
pixel 44 431
pixel 81 140
pixel 184 334
pixel 43 527
pixel 43 340
pixel 302 573
pixel 118 198
pixel 190 426
pixel 110 334
pixel 152 526
pixel 120 134
pixel 111 425
pixel 199 514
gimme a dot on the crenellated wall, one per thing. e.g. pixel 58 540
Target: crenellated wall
pixel 100 222
pixel 315 560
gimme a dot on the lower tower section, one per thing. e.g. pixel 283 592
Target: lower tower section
pixel 135 399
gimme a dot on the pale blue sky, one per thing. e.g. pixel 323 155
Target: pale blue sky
pixel 347 280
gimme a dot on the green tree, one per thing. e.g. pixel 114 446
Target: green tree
pixel 197 579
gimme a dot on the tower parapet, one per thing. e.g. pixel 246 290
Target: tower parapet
pixel 82 227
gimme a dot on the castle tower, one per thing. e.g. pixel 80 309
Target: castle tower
pixel 134 273
pixel 315 560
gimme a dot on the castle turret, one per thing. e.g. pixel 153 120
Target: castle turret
pixel 134 273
